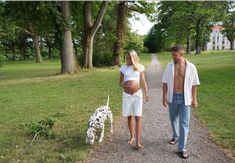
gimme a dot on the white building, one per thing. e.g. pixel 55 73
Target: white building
pixel 217 40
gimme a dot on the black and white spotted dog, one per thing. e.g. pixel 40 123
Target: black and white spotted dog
pixel 96 123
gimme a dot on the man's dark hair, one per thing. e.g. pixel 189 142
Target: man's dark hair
pixel 177 48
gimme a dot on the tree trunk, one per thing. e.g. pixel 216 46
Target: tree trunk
pixel 22 48
pixel 87 32
pixel 49 45
pixel 37 48
pixel 90 30
pixel 75 48
pixel 59 36
pixel 88 45
pixel 49 52
pixel 13 51
pixel 200 27
pixel 198 38
pixel 21 53
pixel 41 44
pixel 204 46
pixel 24 52
pixel 69 65
pixel 231 44
pixel 188 49
pixel 120 25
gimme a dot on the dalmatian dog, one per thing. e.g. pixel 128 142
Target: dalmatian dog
pixel 96 124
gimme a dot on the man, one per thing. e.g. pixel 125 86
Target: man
pixel 180 80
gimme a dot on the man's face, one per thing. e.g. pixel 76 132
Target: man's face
pixel 176 55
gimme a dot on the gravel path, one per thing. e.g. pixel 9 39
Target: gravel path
pixel 156 134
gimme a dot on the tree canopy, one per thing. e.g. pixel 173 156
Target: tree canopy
pixel 184 22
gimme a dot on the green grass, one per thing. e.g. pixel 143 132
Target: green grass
pixel 32 92
pixel 216 94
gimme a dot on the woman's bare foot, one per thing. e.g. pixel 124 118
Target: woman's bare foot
pixel 139 146
pixel 131 141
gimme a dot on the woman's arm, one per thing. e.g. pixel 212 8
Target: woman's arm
pixel 144 85
pixel 121 80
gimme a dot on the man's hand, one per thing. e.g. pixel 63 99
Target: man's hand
pixel 194 104
pixel 164 102
pixel 146 98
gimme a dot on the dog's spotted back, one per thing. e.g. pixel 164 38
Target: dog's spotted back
pixel 99 116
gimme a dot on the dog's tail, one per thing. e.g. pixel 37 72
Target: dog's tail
pixel 108 101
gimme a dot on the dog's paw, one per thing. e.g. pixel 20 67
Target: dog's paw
pixel 111 131
pixel 100 141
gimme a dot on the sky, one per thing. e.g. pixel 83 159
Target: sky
pixel 141 26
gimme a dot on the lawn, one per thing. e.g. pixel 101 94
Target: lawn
pixel 31 92
pixel 216 94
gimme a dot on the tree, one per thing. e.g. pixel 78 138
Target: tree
pixel 24 14
pixel 182 21
pixel 134 41
pixel 229 24
pixel 105 38
pixel 154 41
pixel 69 64
pixel 158 38
pixel 124 10
pixel 180 25
pixel 90 30
pixel 31 18
pixel 203 14
pixel 120 24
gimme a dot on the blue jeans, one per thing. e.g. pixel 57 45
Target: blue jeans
pixel 179 116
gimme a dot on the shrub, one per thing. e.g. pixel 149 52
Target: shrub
pixel 41 128
pixel 102 59
pixel 3 59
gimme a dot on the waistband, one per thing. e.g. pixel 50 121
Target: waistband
pixel 178 95
pixel 175 93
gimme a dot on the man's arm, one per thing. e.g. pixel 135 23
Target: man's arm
pixel 194 96
pixel 164 98
pixel 196 82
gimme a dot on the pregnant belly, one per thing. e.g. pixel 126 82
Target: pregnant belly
pixel 131 86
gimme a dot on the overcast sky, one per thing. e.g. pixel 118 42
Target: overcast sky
pixel 141 26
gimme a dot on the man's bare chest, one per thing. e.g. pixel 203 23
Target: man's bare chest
pixel 179 71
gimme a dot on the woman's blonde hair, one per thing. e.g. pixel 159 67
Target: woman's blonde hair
pixel 135 59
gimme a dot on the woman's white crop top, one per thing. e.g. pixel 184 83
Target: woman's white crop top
pixel 130 74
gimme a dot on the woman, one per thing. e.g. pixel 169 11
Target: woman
pixel 132 79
